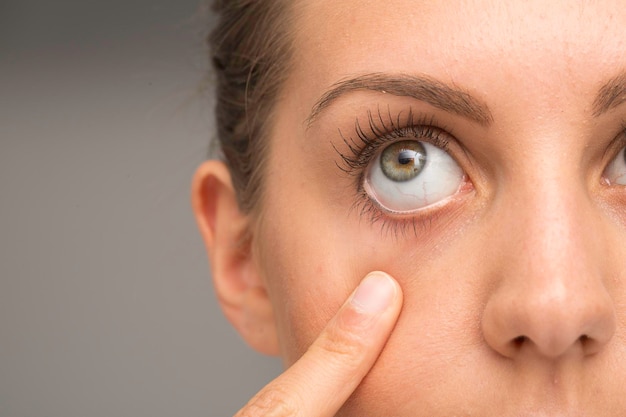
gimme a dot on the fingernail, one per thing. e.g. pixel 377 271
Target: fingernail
pixel 374 294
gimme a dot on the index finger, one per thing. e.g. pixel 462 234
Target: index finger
pixel 324 377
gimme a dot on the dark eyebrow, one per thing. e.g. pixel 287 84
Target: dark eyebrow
pixel 611 95
pixel 423 88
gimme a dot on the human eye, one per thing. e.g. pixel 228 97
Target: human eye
pixel 411 174
pixel 402 165
pixel 616 170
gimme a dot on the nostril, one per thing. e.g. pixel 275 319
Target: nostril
pixel 519 341
pixel 585 341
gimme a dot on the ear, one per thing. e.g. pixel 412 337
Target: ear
pixel 227 234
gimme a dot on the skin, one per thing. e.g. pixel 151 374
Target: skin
pixel 512 290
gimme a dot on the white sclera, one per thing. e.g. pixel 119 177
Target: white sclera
pixel 616 171
pixel 440 177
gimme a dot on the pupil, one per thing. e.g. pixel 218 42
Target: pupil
pixel 406 157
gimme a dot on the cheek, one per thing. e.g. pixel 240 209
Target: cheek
pixel 310 246
pixel 433 346
pixel 313 256
pixel 312 261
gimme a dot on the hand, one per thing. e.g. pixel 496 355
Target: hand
pixel 324 377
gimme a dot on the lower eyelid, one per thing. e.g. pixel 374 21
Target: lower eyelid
pixel 424 221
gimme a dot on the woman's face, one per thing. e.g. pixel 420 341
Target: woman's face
pixel 475 151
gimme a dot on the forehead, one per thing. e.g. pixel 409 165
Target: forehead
pixel 577 43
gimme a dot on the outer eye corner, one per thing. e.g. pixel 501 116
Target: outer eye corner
pixel 615 173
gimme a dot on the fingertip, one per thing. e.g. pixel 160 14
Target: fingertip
pixel 394 282
pixel 341 356
pixel 382 273
pixel 374 294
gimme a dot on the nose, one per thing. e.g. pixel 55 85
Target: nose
pixel 549 295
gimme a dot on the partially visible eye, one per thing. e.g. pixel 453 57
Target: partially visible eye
pixel 409 175
pixel 616 171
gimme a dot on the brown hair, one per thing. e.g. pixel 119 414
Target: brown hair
pixel 250 51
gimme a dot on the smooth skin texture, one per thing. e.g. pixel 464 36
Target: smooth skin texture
pixel 513 288
pixel 327 374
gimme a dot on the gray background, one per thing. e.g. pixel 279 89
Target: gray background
pixel 106 304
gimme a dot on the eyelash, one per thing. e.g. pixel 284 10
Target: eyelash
pixel 364 146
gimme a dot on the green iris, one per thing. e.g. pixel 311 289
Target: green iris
pixel 403 161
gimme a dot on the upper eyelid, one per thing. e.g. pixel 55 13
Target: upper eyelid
pixel 390 126
pixel 382 128
pixel 422 133
pixel 616 145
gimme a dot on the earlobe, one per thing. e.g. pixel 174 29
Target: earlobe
pixel 227 235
